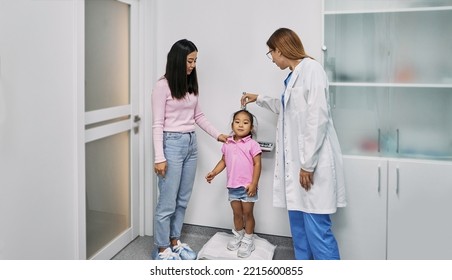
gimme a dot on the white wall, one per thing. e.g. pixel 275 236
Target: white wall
pixel 231 37
pixel 37 130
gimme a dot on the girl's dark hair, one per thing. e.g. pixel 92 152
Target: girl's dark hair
pixel 176 70
pixel 252 120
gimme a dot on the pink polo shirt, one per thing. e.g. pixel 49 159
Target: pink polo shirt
pixel 239 160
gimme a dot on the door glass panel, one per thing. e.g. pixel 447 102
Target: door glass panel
pixel 106 54
pixel 107 190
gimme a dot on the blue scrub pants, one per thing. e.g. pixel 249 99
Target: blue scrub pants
pixel 312 236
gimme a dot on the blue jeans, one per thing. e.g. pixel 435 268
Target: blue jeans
pixel 181 153
pixel 312 236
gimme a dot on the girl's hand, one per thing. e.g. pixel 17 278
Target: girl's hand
pixel 160 168
pixel 251 190
pixel 210 176
pixel 247 98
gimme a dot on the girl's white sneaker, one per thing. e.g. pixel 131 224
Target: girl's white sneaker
pixel 234 243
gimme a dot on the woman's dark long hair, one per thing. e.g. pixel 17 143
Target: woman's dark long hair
pixel 176 70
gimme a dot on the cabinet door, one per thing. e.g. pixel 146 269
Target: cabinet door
pixel 419 208
pixel 388 46
pixel 389 96
pixel 360 228
pixel 411 132
pixel 360 115
pixel 355 49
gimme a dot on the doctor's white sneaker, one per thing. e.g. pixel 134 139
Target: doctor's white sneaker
pixel 234 243
pixel 246 246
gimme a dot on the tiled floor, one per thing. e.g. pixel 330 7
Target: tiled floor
pixel 196 237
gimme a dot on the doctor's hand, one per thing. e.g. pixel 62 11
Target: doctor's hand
pixel 247 98
pixel 306 179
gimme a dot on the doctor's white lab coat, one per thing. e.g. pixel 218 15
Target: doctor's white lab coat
pixel 306 139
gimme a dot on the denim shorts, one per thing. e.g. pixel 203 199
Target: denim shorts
pixel 240 194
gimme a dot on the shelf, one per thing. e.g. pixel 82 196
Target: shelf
pixel 379 11
pixel 383 6
pixel 342 84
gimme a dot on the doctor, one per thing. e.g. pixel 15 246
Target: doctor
pixel 308 178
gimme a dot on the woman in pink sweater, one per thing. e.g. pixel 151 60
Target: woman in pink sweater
pixel 175 112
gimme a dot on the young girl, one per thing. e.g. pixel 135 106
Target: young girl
pixel 242 160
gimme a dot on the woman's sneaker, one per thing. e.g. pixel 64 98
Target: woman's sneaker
pixel 246 247
pixel 184 251
pixel 165 255
pixel 234 243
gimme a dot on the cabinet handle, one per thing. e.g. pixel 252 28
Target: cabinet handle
pixel 397 180
pixel 397 140
pixel 333 99
pixel 379 138
pixel 379 178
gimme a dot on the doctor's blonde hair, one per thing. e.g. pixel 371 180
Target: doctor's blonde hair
pixel 288 43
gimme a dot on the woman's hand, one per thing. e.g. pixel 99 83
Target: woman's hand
pixel 160 168
pixel 248 98
pixel 306 179
pixel 222 138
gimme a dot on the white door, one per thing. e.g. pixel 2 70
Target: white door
pixel 111 128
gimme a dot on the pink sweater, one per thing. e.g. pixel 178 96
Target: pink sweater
pixel 176 116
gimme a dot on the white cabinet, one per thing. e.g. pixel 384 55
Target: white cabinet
pixel 419 209
pixel 360 228
pixel 397 209
pixel 391 93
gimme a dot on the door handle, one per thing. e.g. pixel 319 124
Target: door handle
pixel 136 119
